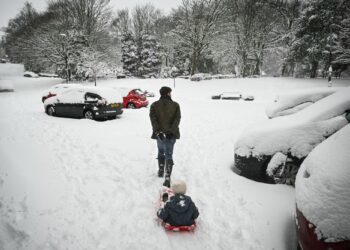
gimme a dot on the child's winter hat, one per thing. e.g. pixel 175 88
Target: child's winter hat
pixel 179 187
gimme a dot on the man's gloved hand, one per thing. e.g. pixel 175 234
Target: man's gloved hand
pixel 161 136
pixel 169 135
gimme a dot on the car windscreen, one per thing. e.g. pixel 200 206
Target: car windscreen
pixel 92 97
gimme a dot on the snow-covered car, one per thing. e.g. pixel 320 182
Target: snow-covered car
pixel 227 96
pixel 322 194
pixel 273 151
pixel 6 86
pixel 30 74
pixel 86 102
pixel 58 89
pixel 293 101
pixel 121 76
pixel 232 96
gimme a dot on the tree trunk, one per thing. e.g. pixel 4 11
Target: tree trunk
pixel 313 71
pixel 194 62
pixel 244 65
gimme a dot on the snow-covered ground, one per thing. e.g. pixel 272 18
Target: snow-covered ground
pixel 81 184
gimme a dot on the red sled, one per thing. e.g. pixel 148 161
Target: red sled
pixel 167 192
pixel 169 227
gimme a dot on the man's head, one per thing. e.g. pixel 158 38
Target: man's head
pixel 165 91
pixel 179 187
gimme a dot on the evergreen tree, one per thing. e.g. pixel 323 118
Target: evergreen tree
pixel 149 57
pixel 319 22
pixel 342 43
pixel 129 54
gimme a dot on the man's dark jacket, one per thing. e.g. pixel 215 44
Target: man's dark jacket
pixel 165 117
pixel 179 211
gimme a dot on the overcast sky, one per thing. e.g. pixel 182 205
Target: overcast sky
pixel 10 8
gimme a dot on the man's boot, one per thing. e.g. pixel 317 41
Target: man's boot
pixel 161 165
pixel 168 170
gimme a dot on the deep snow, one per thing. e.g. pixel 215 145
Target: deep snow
pixel 80 184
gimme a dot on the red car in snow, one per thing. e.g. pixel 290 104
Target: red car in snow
pixel 135 99
pixel 322 195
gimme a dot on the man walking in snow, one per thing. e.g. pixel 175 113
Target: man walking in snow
pixel 165 117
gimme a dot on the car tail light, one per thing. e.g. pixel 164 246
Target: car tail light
pixel 308 239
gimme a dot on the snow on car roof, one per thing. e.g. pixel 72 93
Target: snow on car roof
pixel 287 101
pixel 323 187
pixel 306 127
pixel 112 95
pixel 228 94
pixel 76 94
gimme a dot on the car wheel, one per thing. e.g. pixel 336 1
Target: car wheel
pixel 89 115
pixel 50 110
pixel 131 105
pixel 286 174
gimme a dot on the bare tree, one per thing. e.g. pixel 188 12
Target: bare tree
pixel 197 24
pixel 252 23
pixel 144 19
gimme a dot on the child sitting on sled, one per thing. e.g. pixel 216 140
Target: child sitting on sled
pixel 179 210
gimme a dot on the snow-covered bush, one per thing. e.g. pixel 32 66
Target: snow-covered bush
pixel 219 76
pixel 200 76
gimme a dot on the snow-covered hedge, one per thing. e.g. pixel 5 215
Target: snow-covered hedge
pixel 298 133
pixel 48 75
pixel 200 76
pixel 323 187
pixel 293 101
pixel 219 76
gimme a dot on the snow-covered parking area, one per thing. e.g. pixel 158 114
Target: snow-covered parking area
pixel 81 184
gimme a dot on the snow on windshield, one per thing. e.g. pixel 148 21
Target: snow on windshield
pixel 112 95
pixel 286 103
pixel 323 187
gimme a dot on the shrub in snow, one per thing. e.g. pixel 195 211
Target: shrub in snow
pixel 219 76
pixel 200 76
